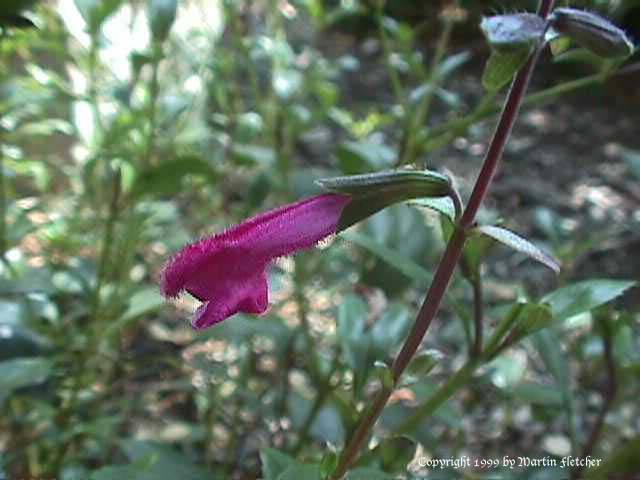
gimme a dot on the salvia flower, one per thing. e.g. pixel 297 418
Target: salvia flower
pixel 227 272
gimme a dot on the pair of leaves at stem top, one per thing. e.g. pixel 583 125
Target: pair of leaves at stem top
pixel 513 38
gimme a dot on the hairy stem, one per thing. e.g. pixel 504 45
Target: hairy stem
pixel 451 256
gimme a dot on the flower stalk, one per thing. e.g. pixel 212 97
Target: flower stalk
pixel 452 255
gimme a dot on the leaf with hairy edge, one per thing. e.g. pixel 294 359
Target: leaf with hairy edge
pixel 520 244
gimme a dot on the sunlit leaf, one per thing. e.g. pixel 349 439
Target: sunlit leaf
pixel 520 244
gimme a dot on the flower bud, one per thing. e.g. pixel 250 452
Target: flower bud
pixel 592 32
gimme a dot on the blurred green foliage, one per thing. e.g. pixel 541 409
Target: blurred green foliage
pixel 129 128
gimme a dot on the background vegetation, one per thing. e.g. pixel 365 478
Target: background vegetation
pixel 128 129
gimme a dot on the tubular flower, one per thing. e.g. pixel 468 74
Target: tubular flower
pixel 227 272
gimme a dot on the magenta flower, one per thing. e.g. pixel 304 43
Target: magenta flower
pixel 227 272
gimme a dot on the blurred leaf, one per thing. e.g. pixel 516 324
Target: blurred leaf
pixel 364 156
pixel 162 462
pixel 141 303
pixel 328 427
pixel 117 472
pixel 366 473
pixel 162 14
pixel 17 21
pixel 424 362
pixel 22 372
pixel 390 330
pixel 287 84
pixel 584 296
pixel 632 159
pixel 501 67
pixel 405 265
pixel 167 178
pixel 550 349
pixel 537 394
pixel 452 63
pixel 17 340
pixel 275 463
pixel 508 370
pixel 95 12
pixel 254 155
pixel 15 6
pixel 352 319
pixel 519 244
pixel 301 472
pixel 622 463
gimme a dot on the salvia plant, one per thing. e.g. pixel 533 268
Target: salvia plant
pixel 227 272
pixel 373 398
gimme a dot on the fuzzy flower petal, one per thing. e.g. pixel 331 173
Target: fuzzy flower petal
pixel 227 272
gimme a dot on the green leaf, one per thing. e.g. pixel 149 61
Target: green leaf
pixel 508 370
pixel 328 427
pixel 117 472
pixel 520 244
pixel 424 362
pixel 275 463
pixel 402 263
pixel 141 303
pixel 254 155
pixel 167 178
pixel 95 12
pixel 584 296
pixel 301 472
pixel 443 205
pixel 15 6
pixel 22 372
pixel 160 462
pixel 537 394
pixel 559 45
pixel 623 462
pixel 550 349
pixel 352 319
pixel 506 33
pixel 369 474
pixel 501 68
pixel 632 159
pixel 162 14
pixel 390 330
